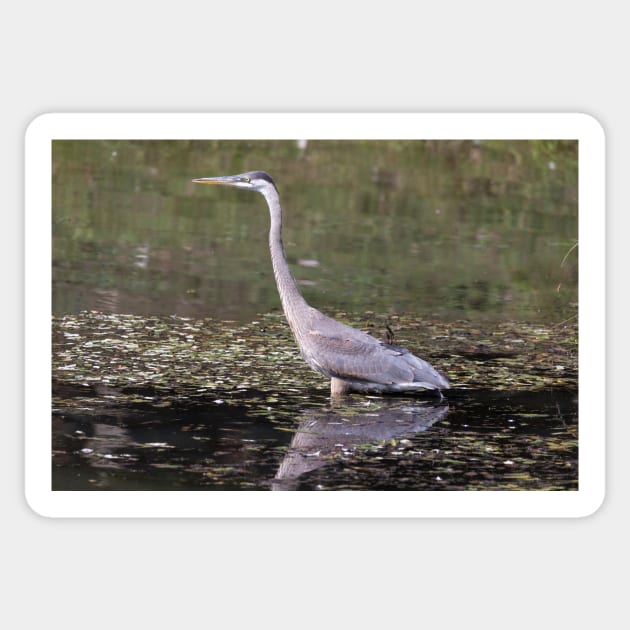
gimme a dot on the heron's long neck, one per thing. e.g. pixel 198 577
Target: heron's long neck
pixel 292 301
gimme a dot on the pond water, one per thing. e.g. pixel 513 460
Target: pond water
pixel 527 442
pixel 173 368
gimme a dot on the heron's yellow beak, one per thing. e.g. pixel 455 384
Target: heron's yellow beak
pixel 228 180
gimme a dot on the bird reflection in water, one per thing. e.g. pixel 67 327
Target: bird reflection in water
pixel 324 433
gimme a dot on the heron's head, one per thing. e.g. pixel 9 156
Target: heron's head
pixel 254 180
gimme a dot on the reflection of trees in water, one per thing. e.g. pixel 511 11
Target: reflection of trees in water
pixel 516 216
pixel 322 433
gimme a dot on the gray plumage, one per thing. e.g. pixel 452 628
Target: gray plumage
pixel 352 359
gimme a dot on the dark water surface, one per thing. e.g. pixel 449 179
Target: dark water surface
pixel 528 441
pixel 174 370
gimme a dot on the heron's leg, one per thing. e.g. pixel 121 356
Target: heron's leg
pixel 338 387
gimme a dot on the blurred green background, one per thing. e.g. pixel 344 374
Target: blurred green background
pixel 479 230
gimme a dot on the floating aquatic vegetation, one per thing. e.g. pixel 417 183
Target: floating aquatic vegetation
pixel 208 404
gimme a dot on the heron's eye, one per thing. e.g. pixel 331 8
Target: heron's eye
pixel 246 180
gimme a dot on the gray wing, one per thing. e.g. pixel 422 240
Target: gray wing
pixel 349 354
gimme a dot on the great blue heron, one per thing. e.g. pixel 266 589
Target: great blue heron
pixel 352 359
